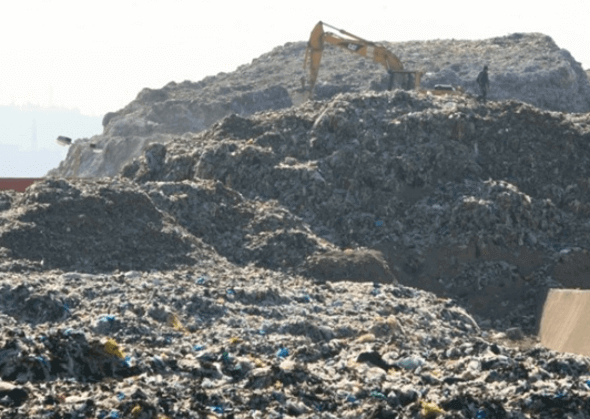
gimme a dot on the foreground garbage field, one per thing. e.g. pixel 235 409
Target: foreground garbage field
pixel 379 255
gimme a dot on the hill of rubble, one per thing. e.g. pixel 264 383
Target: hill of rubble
pixel 374 254
pixel 528 67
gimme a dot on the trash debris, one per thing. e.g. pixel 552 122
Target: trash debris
pixel 112 347
pixel 64 141
pixel 283 353
pixel 290 242
pixel 410 363
pixel 430 410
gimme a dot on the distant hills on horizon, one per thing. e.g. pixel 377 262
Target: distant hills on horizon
pixel 28 133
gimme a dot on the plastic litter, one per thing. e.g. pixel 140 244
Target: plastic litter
pixel 410 363
pixel 63 141
pixel 351 399
pixel 175 323
pixel 158 361
pixel 377 395
pixel 198 347
pixel 430 410
pixel 112 347
pixel 113 414
pixel 480 414
pixel 283 353
pixel 42 361
pixel 127 361
pixel 107 318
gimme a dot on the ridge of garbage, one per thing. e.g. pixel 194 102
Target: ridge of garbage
pixel 270 266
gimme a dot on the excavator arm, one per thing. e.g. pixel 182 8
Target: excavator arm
pixel 376 52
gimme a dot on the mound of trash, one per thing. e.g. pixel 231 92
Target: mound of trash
pixel 527 67
pixel 441 186
pixel 377 254
pixel 373 254
pixel 216 341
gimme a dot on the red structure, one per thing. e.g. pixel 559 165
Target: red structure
pixel 18 184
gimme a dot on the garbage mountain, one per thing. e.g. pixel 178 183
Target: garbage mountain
pixel 375 254
pixel 525 66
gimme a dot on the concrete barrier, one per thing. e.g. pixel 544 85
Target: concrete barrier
pixel 565 322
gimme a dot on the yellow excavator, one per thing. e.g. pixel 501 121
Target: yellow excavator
pixel 398 77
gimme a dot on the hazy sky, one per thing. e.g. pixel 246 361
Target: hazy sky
pixel 96 56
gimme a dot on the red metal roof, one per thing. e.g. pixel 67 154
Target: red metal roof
pixel 19 184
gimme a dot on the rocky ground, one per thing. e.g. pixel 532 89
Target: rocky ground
pixel 378 255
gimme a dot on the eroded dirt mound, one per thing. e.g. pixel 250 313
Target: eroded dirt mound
pixel 350 265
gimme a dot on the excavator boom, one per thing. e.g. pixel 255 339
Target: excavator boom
pixel 357 45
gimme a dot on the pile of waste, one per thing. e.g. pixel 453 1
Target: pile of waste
pixel 216 341
pixel 377 254
pixel 527 67
pixel 441 186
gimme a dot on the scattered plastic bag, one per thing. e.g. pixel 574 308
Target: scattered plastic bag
pixel 42 361
pixel 175 323
pixel 136 411
pixel 351 399
pixel 112 347
pixel 430 410
pixel 377 395
pixel 410 362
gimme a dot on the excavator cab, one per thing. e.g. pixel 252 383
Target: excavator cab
pixel 406 80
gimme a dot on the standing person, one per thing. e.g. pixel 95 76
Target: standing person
pixel 484 82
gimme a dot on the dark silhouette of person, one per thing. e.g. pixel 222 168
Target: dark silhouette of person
pixel 484 82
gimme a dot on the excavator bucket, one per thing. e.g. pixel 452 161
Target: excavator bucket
pixel 565 322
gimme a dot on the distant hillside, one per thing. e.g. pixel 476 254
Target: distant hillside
pixel 48 123
pixel 28 133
